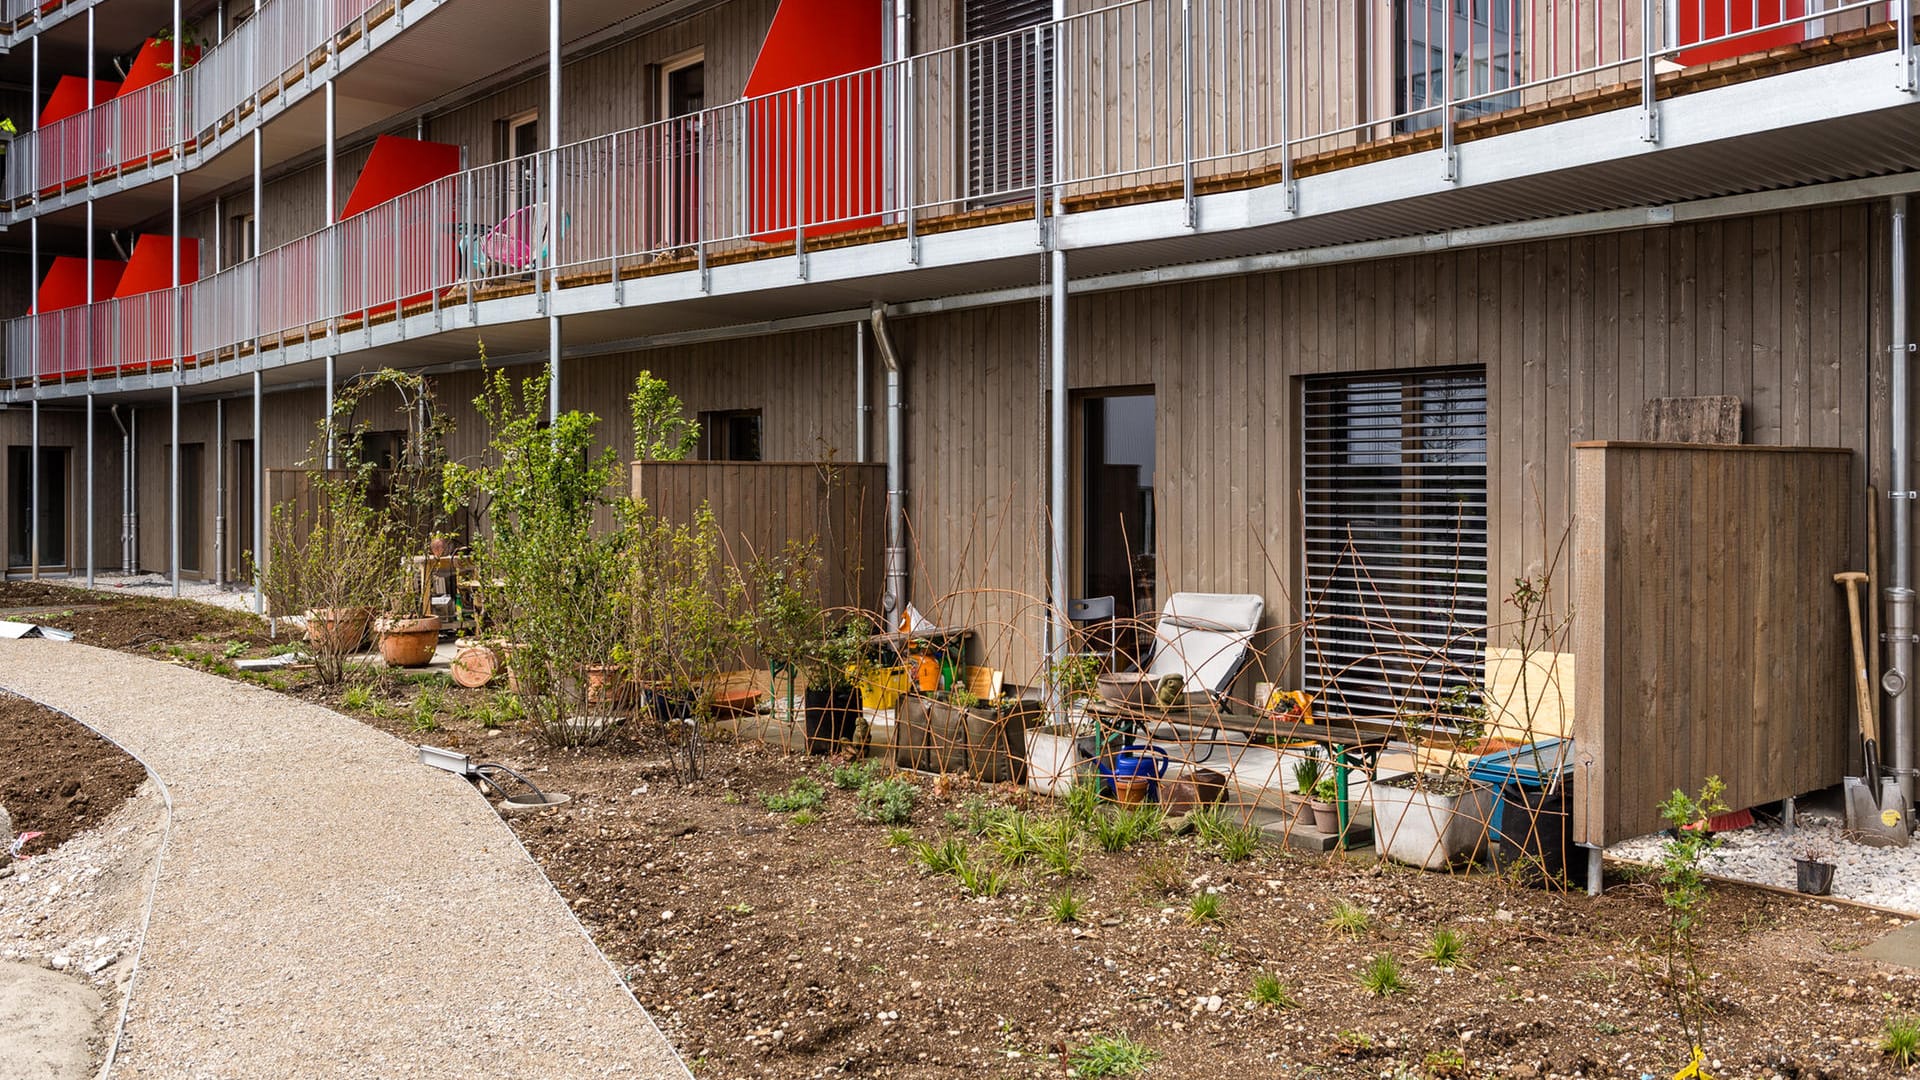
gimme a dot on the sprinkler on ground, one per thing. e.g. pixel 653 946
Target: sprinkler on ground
pixel 480 773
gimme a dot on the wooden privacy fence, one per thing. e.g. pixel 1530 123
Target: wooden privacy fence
pixel 1709 637
pixel 760 506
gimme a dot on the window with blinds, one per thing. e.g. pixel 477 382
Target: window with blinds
pixel 1004 120
pixel 1394 491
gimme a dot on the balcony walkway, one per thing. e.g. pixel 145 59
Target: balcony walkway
pixel 328 906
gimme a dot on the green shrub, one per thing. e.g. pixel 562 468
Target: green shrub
pixel 887 802
pixel 854 776
pixel 804 793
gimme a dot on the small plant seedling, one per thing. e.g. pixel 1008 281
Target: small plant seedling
pixel 1446 948
pixel 357 698
pixel 1082 803
pixel 1445 1064
pixel 1124 827
pixel 1355 1041
pixel 803 818
pixel 1381 976
pixel 742 908
pixel 234 650
pixel 1349 919
pixel 946 857
pixel 981 878
pixel 887 802
pixel 1204 908
pixel 1014 838
pixel 804 793
pixel 1060 852
pixel 731 798
pixel 1066 908
pixel 1111 1055
pixel 1237 843
pixel 1269 991
pixel 899 837
pixel 1900 1040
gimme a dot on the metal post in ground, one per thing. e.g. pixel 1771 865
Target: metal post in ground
pixel 259 502
pixel 89 494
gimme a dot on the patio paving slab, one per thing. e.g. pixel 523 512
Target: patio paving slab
pixel 327 906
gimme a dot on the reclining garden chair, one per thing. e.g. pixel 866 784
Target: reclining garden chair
pixel 1205 638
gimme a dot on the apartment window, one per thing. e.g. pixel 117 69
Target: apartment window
pixel 239 239
pixel 1005 115
pixel 1485 58
pixel 1394 494
pixel 683 93
pixel 732 435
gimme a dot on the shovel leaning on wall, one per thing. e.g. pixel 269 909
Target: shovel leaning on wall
pixel 1876 809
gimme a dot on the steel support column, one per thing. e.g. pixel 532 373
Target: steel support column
pixel 33 494
pixel 173 496
pixel 544 263
pixel 259 500
pixel 89 484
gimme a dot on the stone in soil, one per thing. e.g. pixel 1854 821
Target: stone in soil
pixel 48 1023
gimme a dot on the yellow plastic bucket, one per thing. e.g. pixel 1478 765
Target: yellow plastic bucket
pixel 882 689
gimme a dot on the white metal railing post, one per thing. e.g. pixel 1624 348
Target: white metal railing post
pixel 1904 27
pixel 700 201
pixel 1446 91
pixel 1650 14
pixel 1186 111
pixel 800 179
pixel 1286 108
pixel 909 175
pixel 1039 142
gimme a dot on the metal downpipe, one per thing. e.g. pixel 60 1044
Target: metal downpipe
pixel 89 495
pixel 1057 495
pixel 860 392
pixel 219 492
pixel 132 476
pixel 895 600
pixel 259 501
pixel 1899 594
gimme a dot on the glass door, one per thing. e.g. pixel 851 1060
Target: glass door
pixel 52 509
pixel 1117 542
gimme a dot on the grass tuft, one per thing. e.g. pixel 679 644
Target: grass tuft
pixel 1900 1040
pixel 1066 908
pixel 1447 948
pixel 1381 976
pixel 1204 908
pixel 1111 1055
pixel 1269 991
pixel 1349 919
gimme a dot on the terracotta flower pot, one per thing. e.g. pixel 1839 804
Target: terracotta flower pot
pixel 1130 790
pixel 337 630
pixel 1326 816
pixel 408 642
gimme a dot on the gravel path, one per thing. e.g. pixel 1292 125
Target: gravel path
pixel 329 907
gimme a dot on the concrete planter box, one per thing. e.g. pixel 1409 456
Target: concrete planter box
pixel 1431 828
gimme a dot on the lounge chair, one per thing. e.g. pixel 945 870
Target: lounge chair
pixel 1205 638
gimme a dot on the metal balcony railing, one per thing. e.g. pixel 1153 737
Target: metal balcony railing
pixel 1142 99
pixel 261 57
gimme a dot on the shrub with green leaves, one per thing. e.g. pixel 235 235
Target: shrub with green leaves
pixel 1683 888
pixel 854 775
pixel 887 802
pixel 804 793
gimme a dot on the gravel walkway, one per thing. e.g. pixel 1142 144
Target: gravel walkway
pixel 329 907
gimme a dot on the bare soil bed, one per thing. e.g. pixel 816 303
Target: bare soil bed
pixel 56 777
pixel 813 944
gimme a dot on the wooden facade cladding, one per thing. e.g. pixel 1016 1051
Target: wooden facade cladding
pixel 1710 638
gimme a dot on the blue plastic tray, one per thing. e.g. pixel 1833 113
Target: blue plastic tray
pixel 1530 765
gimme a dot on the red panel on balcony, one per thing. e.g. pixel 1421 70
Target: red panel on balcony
pixel 65 285
pixel 150 268
pixel 397 166
pixel 1704 19
pixel 69 97
pixel 153 63
pixel 839 122
pixel 413 246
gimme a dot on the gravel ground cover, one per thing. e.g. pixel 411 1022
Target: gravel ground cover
pixel 327 905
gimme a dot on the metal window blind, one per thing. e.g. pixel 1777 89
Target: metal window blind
pixel 1394 494
pixel 1002 124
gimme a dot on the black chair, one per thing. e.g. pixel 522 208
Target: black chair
pixel 1088 615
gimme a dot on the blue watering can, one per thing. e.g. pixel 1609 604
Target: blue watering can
pixel 1135 760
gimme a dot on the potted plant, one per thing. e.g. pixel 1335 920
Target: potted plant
pixel 787 612
pixel 413 475
pixel 1813 873
pixel 833 697
pixel 1325 803
pixel 1307 772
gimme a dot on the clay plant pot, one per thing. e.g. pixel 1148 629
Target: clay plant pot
pixel 407 642
pixel 1326 816
pixel 337 630
pixel 476 666
pixel 1131 790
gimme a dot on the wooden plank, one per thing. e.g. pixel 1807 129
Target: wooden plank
pixel 1714 419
